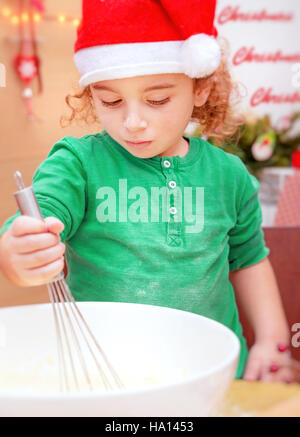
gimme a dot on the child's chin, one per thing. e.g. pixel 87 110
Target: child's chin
pixel 143 153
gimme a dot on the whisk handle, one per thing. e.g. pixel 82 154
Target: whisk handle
pixel 26 199
pixel 28 205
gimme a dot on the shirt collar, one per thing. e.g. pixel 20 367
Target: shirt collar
pixel 193 155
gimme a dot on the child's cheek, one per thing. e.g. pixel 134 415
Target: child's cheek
pixel 108 117
pixel 173 120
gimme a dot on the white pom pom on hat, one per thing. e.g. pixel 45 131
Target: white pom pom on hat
pixel 200 55
pixel 117 40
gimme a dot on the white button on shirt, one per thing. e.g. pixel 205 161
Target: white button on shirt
pixel 172 184
pixel 167 164
pixel 173 210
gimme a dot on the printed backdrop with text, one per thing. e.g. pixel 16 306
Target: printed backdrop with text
pixel 264 37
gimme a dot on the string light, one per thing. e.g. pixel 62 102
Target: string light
pixel 24 17
pixel 14 18
pixel 6 12
pixel 61 18
pixel 76 22
pixel 36 17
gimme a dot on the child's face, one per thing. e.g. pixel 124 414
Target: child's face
pixel 129 111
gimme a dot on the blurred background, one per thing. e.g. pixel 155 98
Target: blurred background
pixel 27 134
pixel 37 72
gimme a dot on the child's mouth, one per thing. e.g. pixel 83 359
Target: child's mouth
pixel 139 145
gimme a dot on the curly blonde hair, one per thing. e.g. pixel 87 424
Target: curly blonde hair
pixel 217 118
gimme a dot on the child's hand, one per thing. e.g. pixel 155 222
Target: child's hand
pixel 264 355
pixel 31 252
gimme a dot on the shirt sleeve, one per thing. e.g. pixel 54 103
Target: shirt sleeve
pixel 246 239
pixel 59 184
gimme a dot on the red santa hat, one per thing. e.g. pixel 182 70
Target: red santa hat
pixel 125 38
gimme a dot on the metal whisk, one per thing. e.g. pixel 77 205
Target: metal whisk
pixel 78 349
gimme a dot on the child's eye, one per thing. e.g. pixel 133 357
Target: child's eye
pixel 153 102
pixel 110 103
pixel 159 102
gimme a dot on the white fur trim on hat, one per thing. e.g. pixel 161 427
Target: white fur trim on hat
pixel 198 56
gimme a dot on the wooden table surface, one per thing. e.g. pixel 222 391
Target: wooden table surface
pixel 256 399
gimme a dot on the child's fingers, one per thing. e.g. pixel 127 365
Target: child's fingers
pixel 294 368
pixel 41 275
pixel 34 242
pixel 284 370
pixel 25 225
pixel 284 374
pixel 30 234
pixel 54 225
pixel 39 258
pixel 252 371
pixel 267 376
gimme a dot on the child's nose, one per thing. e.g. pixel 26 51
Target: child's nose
pixel 134 121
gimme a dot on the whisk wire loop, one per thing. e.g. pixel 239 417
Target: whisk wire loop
pixel 70 325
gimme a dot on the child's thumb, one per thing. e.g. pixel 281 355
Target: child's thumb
pixel 54 225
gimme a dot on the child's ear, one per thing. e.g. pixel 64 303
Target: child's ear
pixel 201 95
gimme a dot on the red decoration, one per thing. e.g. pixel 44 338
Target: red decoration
pixel 26 67
pixel 296 159
pixel 26 62
pixel 282 347
pixel 38 4
pixel 274 368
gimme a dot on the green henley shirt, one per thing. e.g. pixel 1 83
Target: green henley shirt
pixel 160 231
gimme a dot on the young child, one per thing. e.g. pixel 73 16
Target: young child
pixel 145 213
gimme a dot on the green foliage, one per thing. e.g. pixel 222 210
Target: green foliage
pixel 240 144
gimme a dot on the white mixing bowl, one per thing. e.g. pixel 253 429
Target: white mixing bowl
pixel 191 360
